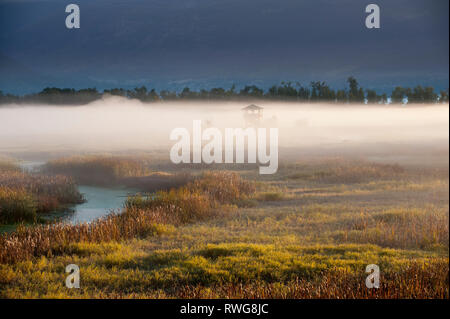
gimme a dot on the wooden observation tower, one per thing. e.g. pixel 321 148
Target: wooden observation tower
pixel 253 115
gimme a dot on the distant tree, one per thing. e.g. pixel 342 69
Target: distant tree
pixel 187 94
pixel 322 92
pixel 398 94
pixel 416 95
pixel 316 91
pixel 286 91
pixel 217 93
pixel 251 91
pixel 360 96
pixel 231 92
pixel 153 96
pixel 138 93
pixel 116 92
pixel 355 94
pixel 204 94
pixel 372 97
pixel 303 93
pixel 429 95
pixel 168 95
pixel 341 96
pixel 421 95
pixel 443 98
pixel 273 92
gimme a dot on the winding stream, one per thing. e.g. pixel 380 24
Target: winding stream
pixel 100 201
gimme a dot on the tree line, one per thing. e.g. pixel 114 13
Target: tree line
pixel 317 91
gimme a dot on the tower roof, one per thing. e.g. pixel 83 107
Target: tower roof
pixel 252 107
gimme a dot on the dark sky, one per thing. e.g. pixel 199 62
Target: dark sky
pixel 206 43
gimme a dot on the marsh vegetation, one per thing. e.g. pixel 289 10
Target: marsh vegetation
pixel 356 185
pixel 307 232
pixel 25 196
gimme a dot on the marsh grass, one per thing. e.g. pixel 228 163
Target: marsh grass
pixel 16 205
pixel 195 201
pixel 408 282
pixel 56 239
pixel 343 171
pixel 217 239
pixel 231 270
pixel 23 196
pixel 270 196
pixel 98 169
pixel 403 228
pixel 198 199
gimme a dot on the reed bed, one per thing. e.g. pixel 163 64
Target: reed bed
pixel 98 169
pixel 139 218
pixel 55 239
pixel 25 195
pixel 198 199
pixel 16 205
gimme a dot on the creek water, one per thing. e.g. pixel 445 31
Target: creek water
pixel 100 201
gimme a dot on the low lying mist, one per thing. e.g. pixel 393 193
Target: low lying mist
pixel 115 124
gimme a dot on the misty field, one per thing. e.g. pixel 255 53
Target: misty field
pixel 308 231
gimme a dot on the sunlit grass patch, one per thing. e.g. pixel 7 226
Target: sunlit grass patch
pixel 270 196
pixel 342 171
pixel 337 284
pixel 425 228
pixel 313 243
pixel 126 270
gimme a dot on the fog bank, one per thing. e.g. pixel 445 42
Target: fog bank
pixel 120 124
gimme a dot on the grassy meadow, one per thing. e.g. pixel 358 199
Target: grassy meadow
pixel 308 231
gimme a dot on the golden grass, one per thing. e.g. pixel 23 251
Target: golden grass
pixel 25 195
pixel 16 205
pixel 416 281
pixel 98 169
pixel 314 243
pixel 343 171
pixel 403 228
pixel 186 204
